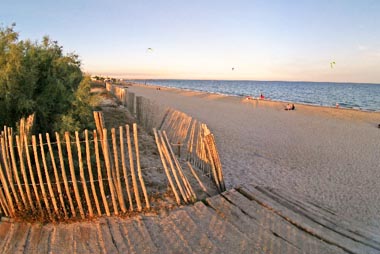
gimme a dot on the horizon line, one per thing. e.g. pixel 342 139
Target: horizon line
pixel 289 81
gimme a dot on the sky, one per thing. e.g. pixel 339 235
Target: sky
pixel 293 40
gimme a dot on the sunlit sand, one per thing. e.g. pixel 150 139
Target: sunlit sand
pixel 327 154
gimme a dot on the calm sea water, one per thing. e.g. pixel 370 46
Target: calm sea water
pixel 349 95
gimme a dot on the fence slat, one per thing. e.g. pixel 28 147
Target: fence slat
pixel 191 141
pixel 56 176
pixel 109 175
pixel 139 166
pixel 199 148
pixel 190 193
pixel 165 167
pixel 39 173
pixel 6 189
pixel 4 203
pixel 7 169
pixel 186 128
pixel 7 131
pixel 15 170
pixel 89 168
pixel 119 189
pixel 47 177
pixel 100 177
pixel 218 164
pixel 64 176
pixel 134 181
pixel 99 122
pixel 124 166
pixel 32 178
pixel 82 176
pixel 23 172
pixel 172 167
pixel 198 179
pixel 160 127
pixel 216 178
pixel 73 176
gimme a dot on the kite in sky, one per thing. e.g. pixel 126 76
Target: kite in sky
pixel 149 50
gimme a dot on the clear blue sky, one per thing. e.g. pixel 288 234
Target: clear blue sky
pixel 205 39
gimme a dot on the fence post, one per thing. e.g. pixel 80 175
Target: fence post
pixel 131 103
pixel 125 101
pixel 139 112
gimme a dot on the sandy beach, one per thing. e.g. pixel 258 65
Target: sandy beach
pixel 330 156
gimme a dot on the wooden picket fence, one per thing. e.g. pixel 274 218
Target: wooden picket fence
pixel 196 143
pixel 190 138
pixel 78 176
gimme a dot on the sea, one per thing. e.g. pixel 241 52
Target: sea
pixel 360 96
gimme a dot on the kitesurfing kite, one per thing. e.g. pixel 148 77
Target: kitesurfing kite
pixel 149 50
pixel 332 64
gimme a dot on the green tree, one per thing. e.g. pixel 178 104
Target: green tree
pixel 80 115
pixel 39 78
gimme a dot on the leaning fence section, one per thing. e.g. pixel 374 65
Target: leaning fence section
pixel 189 138
pixel 194 142
pixel 71 176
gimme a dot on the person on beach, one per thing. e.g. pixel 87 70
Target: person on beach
pixel 290 107
pixel 262 97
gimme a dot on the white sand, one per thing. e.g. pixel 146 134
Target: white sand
pixel 331 156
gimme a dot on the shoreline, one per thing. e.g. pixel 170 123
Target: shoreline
pixel 372 108
pixel 341 112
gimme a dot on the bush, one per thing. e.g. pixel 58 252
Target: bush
pixel 39 78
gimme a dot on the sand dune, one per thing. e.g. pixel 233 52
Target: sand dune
pixel 329 155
